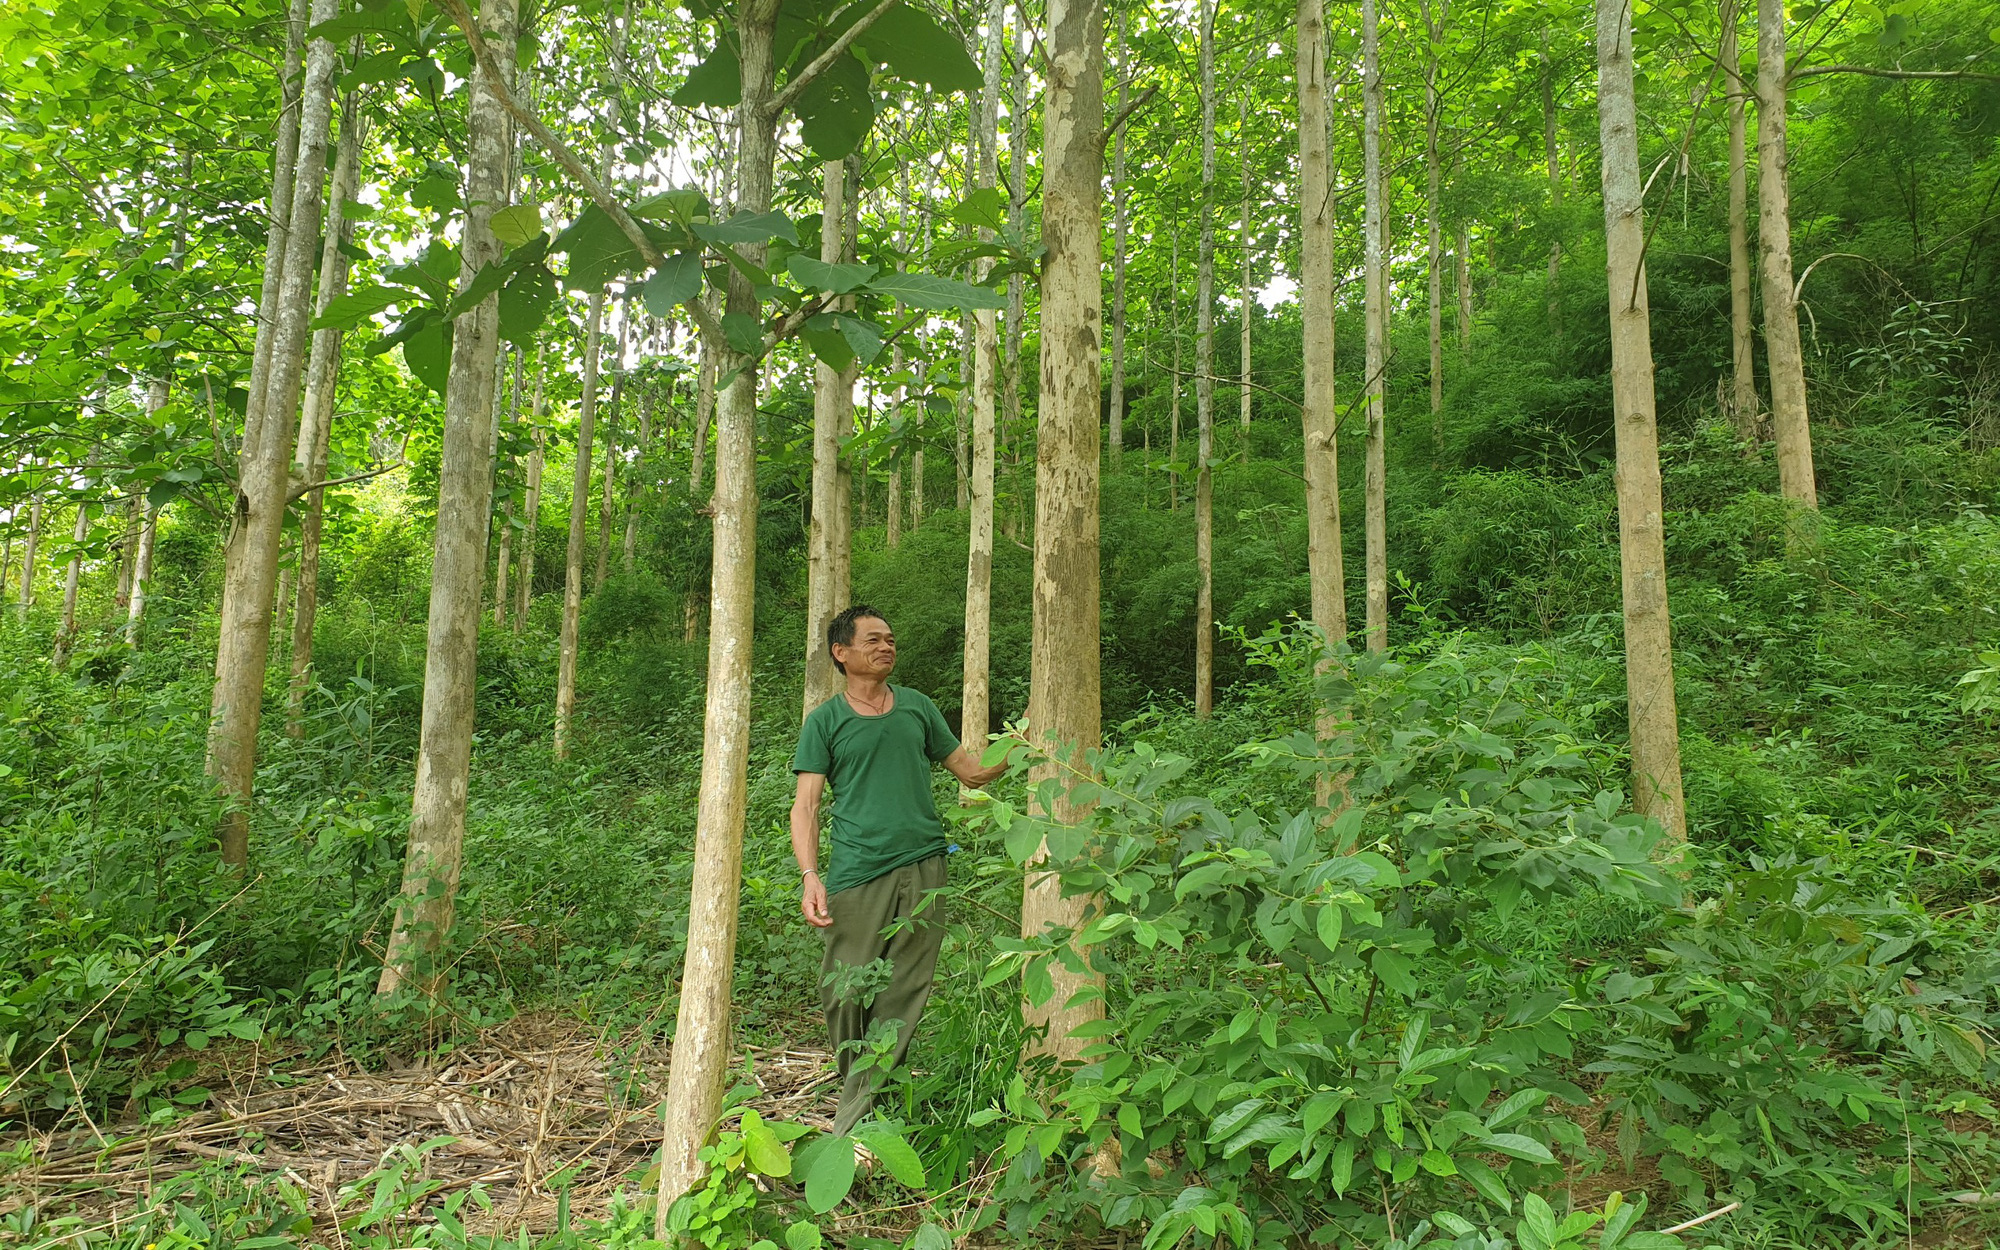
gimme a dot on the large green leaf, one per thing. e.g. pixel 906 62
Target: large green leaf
pixel 351 309
pixel 916 49
pixel 428 354
pixel 836 109
pixel 716 82
pixel 864 336
pixel 896 1154
pixel 525 303
pixel 743 332
pixel 823 335
pixel 484 283
pixel 748 228
pixel 830 1175
pixel 599 251
pixel 516 224
pixel 673 284
pixel 935 294
pixel 815 274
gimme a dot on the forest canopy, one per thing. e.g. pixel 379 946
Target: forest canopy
pixel 1456 543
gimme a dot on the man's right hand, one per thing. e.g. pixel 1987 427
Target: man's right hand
pixel 812 903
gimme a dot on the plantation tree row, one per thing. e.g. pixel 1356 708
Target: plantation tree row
pixel 494 245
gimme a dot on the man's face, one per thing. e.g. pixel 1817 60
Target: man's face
pixel 873 651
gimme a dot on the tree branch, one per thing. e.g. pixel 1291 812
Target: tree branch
pixel 1125 115
pixel 301 489
pixel 798 82
pixel 1872 72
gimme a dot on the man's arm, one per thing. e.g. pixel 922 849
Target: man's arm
pixel 964 765
pixel 805 848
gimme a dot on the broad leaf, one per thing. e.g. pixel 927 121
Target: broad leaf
pixel 525 303
pixel 716 82
pixel 935 294
pixel 830 1175
pixel 748 228
pixel 516 224
pixel 743 332
pixel 673 284
pixel 916 49
pixel 815 274
pixel 864 336
pixel 351 309
pixel 428 354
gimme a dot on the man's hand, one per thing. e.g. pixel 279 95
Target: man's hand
pixel 964 765
pixel 812 902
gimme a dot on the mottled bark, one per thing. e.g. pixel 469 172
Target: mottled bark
pixel 1120 229
pixel 1204 383
pixel 1742 331
pixel 1319 415
pixel 263 480
pixel 833 414
pixel 1375 474
pixel 72 579
pixel 29 551
pixel 524 589
pixel 1434 13
pixel 1649 661
pixel 1064 710
pixel 1463 283
pixel 607 504
pixel 1784 355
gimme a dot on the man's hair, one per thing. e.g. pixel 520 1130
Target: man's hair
pixel 840 630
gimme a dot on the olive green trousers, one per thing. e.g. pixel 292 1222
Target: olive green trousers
pixel 861 914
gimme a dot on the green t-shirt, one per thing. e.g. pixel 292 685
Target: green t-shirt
pixel 879 768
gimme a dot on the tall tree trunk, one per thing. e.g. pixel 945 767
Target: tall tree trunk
pixel 284 188
pixel 1784 356
pixel 833 413
pixel 263 478
pixel 845 476
pixel 607 506
pixel 28 553
pixel 961 412
pixel 127 547
pixel 700 1066
pixel 1463 283
pixel 586 429
pixel 458 564
pixel 1174 321
pixel 1377 354
pixel 1204 385
pixel 1649 659
pixel 1553 155
pixel 893 518
pixel 976 701
pixel 631 550
pixel 72 579
pixel 1063 698
pixel 316 413
pixel 1244 238
pixel 149 530
pixel 1120 228
pixel 1320 416
pixel 1742 334
pixel 524 590
pixel 504 559
pixel 1017 297
pixel 1433 178
pixel 704 417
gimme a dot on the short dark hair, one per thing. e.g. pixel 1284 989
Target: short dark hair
pixel 840 630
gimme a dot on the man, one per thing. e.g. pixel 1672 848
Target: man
pixel 876 744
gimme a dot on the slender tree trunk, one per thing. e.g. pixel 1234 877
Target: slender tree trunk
pixel 1742 333
pixel 976 692
pixel 28 553
pixel 701 1055
pixel 465 490
pixel 961 415
pixel 1433 179
pixel 524 591
pixel 1017 297
pixel 893 518
pixel 1553 156
pixel 263 478
pixel 607 506
pixel 1320 416
pixel 72 579
pixel 916 490
pixel 1064 665
pixel 1784 355
pixel 833 413
pixel 1463 282
pixel 309 459
pixel 845 476
pixel 127 547
pixel 1244 238
pixel 1377 355
pixel 504 560
pixel 631 551
pixel 284 185
pixel 1120 228
pixel 1174 320
pixel 704 416
pixel 1649 660
pixel 1204 386
pixel 6 556
pixel 149 529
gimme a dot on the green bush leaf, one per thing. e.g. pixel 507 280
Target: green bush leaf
pixel 516 224
pixel 897 1154
pixel 673 284
pixel 815 274
pixel 831 1175
pixel 935 294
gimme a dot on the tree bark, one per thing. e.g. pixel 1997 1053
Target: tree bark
pixel 1377 353
pixel 1120 228
pixel 833 413
pixel 607 506
pixel 28 553
pixel 962 411
pixel 1649 661
pixel 505 556
pixel 524 590
pixel 1204 385
pixel 893 515
pixel 1742 333
pixel 263 481
pixel 1553 157
pixel 284 184
pixel 975 690
pixel 72 579
pixel 1434 229
pixel 631 550
pixel 704 417
pixel 465 490
pixel 1319 415
pixel 142 556
pixel 1784 355
pixel 1064 707
pixel 1244 238
pixel 1017 297
pixel 1463 282
pixel 700 1065
pixel 1174 321
pixel 309 458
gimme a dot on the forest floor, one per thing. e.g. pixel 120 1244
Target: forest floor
pixel 528 1111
